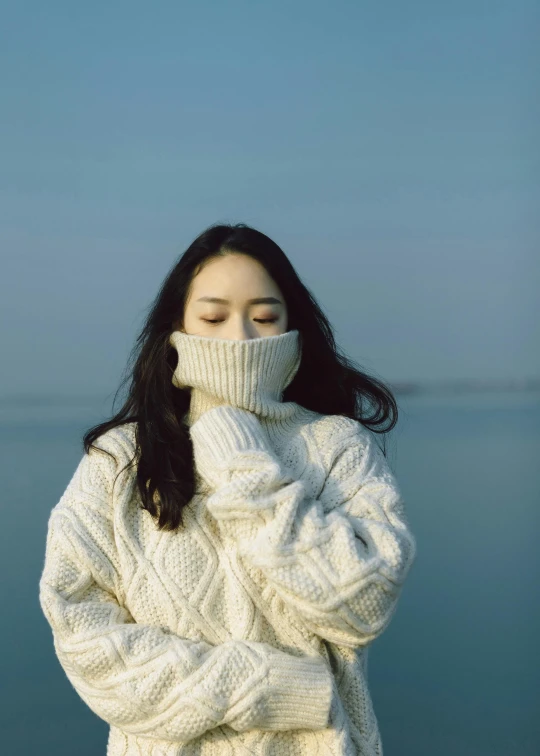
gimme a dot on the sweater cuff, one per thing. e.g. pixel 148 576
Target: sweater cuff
pixel 227 430
pixel 300 695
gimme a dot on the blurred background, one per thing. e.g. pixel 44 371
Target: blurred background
pixel 391 149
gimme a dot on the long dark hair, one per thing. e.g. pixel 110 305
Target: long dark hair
pixel 327 381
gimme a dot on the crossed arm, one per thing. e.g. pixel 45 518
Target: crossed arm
pixel 142 678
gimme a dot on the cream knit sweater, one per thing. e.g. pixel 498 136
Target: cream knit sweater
pixel 246 632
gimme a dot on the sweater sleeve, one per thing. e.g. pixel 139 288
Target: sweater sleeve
pixel 142 678
pixel 338 561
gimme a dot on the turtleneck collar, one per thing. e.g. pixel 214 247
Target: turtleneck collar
pixel 251 374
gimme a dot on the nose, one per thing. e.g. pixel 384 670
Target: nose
pixel 242 330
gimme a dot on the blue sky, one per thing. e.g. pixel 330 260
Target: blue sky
pixel 389 148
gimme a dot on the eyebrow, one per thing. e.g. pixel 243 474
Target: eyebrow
pixel 257 300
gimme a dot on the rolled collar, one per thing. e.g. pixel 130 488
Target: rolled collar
pixel 250 373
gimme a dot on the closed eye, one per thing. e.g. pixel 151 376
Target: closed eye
pixel 270 320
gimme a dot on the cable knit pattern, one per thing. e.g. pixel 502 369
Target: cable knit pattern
pixel 246 631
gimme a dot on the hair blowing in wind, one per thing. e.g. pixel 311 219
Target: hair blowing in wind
pixel 165 467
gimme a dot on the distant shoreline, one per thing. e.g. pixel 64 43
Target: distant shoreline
pixel 401 388
pixel 465 386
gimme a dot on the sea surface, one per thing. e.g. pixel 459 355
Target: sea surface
pixel 456 672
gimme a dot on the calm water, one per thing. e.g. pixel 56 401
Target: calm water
pixel 456 672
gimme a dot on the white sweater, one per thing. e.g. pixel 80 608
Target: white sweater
pixel 247 631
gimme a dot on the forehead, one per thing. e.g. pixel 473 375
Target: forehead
pixel 235 277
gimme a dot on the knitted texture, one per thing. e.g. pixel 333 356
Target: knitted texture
pixel 247 630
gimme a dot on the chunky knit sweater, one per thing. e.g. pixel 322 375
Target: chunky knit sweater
pixel 247 630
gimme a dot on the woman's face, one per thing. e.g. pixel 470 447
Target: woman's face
pixel 229 291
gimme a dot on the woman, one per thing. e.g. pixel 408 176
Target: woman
pixel 234 540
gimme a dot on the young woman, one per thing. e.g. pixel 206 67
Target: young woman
pixel 233 541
